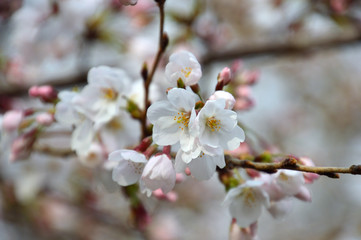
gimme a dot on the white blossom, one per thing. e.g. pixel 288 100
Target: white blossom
pixel 290 181
pixel 102 98
pixel 120 132
pixel 217 126
pixel 246 201
pixel 201 160
pixel 230 101
pixel 172 118
pixel 127 166
pixel 158 173
pixel 66 113
pixel 183 65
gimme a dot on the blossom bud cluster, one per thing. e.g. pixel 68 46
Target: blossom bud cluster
pixel 20 128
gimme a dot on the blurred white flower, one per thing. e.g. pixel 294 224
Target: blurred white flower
pixel 230 101
pixel 183 65
pixel 102 98
pixel 67 113
pixel 127 166
pixel 120 132
pixel 245 202
pixel 158 173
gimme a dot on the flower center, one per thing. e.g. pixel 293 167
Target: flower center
pixel 248 196
pixel 137 167
pixel 186 71
pixel 115 124
pixel 213 124
pixel 183 119
pixel 109 94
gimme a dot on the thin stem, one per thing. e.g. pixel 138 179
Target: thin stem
pixel 163 41
pixel 292 164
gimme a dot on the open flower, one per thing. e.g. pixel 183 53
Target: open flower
pixel 127 166
pixel 158 173
pixel 67 114
pixel 183 65
pixel 172 118
pixel 217 126
pixel 102 98
pixel 245 202
pixel 201 160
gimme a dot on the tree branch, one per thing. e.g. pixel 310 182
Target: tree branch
pixel 281 48
pixel 163 42
pixel 292 164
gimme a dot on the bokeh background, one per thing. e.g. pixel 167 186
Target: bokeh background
pixel 307 102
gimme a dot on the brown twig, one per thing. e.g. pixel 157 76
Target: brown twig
pixel 292 164
pixel 281 48
pixel 163 42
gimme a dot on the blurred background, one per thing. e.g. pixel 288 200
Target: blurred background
pixel 306 102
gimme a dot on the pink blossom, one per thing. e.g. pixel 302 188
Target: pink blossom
pixel 45 93
pixel 12 120
pixel 21 147
pixel 309 177
pixel 45 119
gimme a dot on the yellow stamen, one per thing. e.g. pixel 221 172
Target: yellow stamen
pixel 213 124
pixel 182 119
pixel 186 71
pixel 249 197
pixel 115 124
pixel 109 94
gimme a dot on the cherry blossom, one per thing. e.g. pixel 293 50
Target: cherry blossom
pixel 172 118
pixel 127 166
pixel 218 127
pixel 102 98
pixel 246 201
pixel 159 172
pixel 185 66
pixel 201 160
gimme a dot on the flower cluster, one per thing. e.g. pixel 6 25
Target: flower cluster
pixel 97 114
pixel 272 192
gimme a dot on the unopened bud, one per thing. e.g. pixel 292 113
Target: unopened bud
pixel 12 120
pixel 45 119
pixel 225 76
pixel 164 41
pixel 144 71
pixel 195 88
pixel 45 93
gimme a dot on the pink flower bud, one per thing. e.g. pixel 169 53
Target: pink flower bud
pixel 225 76
pixel 237 66
pixel 45 93
pixel 243 91
pixel 249 77
pixel 12 120
pixel 45 119
pixel 242 149
pixel 230 101
pixel 21 147
pixel 187 171
pixel 171 196
pixel 309 177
